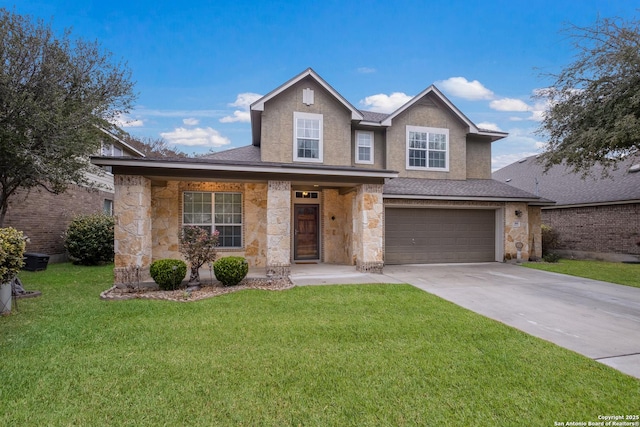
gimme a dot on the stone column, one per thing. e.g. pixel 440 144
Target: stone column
pixel 369 225
pixel 535 232
pixel 132 232
pixel 516 230
pixel 278 228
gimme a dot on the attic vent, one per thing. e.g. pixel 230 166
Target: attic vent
pixel 522 160
pixel 307 96
pixel 507 180
pixel 634 168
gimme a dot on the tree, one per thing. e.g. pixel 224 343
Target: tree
pixel 154 148
pixel 594 114
pixel 54 95
pixel 198 247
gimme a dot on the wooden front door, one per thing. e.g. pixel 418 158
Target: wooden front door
pixel 306 232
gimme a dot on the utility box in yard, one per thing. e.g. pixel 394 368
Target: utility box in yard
pixel 35 262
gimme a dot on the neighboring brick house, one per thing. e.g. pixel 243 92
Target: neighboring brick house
pixel 44 216
pixel 326 182
pixel 595 216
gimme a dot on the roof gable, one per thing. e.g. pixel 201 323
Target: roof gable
pixel 257 107
pixel 259 104
pixel 434 91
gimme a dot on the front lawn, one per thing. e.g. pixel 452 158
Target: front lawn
pixel 351 355
pixel 612 272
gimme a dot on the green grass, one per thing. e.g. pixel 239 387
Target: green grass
pixel 612 272
pixel 353 355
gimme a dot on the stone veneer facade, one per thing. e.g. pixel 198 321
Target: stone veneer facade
pixel 278 228
pixel 368 226
pixel 132 232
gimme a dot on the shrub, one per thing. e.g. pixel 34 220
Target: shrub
pixel 550 239
pixel 168 273
pixel 551 257
pixel 231 270
pixel 89 239
pixel 198 247
pixel 12 245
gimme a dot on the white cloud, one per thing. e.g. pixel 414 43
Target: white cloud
pixel 198 137
pixel 462 88
pixel 124 121
pixel 383 103
pixel 243 101
pixel 509 104
pixel 190 121
pixel 489 126
pixel 238 116
pixel 366 70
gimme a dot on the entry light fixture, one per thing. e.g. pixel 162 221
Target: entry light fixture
pixel 518 213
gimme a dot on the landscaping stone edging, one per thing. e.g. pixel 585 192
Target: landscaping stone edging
pixel 115 293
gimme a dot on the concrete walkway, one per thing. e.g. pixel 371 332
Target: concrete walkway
pixel 596 319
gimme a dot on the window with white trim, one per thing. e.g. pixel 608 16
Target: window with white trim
pixel 427 148
pixel 364 147
pixel 307 137
pixel 215 211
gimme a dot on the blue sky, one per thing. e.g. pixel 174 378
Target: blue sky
pixel 198 64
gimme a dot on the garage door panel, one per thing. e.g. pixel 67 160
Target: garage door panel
pixel 418 235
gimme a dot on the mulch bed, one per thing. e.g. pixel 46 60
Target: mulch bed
pixel 207 290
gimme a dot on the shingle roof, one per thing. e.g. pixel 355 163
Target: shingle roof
pixel 372 116
pixel 248 153
pixel 568 188
pixel 471 188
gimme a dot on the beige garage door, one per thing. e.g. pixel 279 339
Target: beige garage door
pixel 423 236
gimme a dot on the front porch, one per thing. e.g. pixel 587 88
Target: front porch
pixel 346 229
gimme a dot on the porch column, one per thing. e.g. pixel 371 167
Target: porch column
pixel 132 231
pixel 368 214
pixel 278 229
pixel 516 231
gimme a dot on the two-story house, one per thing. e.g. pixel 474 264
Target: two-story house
pixel 325 182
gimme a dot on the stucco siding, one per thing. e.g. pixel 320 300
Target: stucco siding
pixel 478 159
pixel 379 152
pixel 428 113
pixel 277 125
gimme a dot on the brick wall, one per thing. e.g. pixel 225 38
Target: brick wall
pixel 607 229
pixel 44 217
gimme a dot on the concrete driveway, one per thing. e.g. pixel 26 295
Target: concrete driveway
pixel 596 319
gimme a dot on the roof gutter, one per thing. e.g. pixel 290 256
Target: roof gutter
pixel 222 167
pixel 531 201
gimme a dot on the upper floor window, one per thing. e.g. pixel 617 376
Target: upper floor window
pixel 215 211
pixel 364 147
pixel 307 137
pixel 111 150
pixel 427 148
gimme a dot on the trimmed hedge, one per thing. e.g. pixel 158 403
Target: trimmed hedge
pixel 231 270
pixel 89 239
pixel 168 273
pixel 12 245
